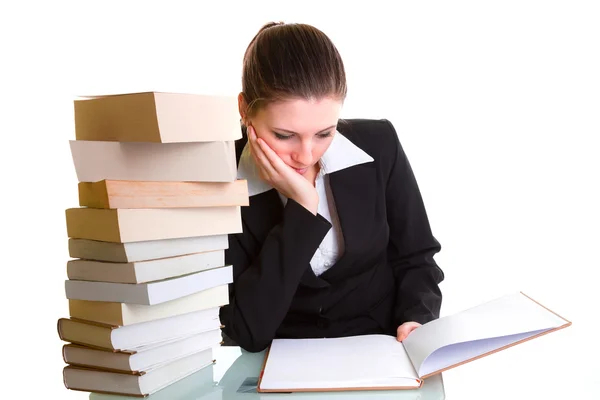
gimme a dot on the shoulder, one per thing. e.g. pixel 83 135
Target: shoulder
pixel 376 137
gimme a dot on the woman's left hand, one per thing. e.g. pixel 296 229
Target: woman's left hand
pixel 406 328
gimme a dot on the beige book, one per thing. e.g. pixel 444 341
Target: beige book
pixel 144 271
pixel 133 225
pixel 123 314
pixel 145 250
pixel 144 357
pixel 157 117
pixel 138 194
pixel 139 384
pixel 195 162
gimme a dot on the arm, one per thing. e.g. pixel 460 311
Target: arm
pixel 266 276
pixel 412 246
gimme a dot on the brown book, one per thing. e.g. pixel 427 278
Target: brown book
pixel 132 225
pixel 157 117
pixel 136 194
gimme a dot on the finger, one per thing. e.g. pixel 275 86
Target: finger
pixel 260 157
pixel 274 160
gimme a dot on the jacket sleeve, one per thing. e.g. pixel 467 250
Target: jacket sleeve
pixel 412 245
pixel 267 275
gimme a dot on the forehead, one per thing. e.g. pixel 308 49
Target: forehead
pixel 301 115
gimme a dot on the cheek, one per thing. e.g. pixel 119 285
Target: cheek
pixel 280 147
pixel 320 148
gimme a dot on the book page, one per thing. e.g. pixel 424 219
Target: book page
pixel 349 362
pixel 459 352
pixel 505 320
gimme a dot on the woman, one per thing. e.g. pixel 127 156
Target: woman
pixel 336 240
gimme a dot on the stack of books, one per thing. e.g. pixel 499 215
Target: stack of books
pixel 158 196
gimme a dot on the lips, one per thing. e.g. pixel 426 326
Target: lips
pixel 301 171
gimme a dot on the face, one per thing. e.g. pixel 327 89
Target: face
pixel 298 130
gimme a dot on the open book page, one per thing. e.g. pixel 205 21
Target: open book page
pixel 460 337
pixel 368 361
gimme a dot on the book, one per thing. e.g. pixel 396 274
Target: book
pixel 129 161
pixel 149 293
pixel 199 385
pixel 157 117
pixel 136 194
pixel 142 358
pixel 135 225
pixel 144 271
pixel 145 250
pixel 380 362
pixel 139 383
pixel 122 314
pixel 132 337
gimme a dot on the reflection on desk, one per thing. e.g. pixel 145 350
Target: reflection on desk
pixel 235 375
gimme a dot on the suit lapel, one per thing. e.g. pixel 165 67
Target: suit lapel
pixel 354 193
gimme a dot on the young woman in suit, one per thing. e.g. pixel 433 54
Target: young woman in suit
pixel 336 240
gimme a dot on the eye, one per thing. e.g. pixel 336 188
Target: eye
pixel 324 135
pixel 281 137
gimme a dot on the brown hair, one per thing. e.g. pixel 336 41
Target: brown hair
pixel 291 61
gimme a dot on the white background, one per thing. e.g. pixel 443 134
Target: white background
pixel 496 103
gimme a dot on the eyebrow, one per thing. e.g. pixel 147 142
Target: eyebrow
pixel 295 133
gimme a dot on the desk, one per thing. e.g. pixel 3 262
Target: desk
pixel 234 376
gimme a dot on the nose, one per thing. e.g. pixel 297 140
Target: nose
pixel 303 155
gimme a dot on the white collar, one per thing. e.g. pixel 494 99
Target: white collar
pixel 341 154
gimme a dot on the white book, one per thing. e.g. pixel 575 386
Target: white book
pixel 169 162
pixel 378 362
pixel 145 250
pixel 199 385
pixel 132 337
pixel 120 314
pixel 144 357
pixel 144 271
pixel 139 384
pixel 151 292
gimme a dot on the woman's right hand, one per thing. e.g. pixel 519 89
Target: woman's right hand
pixel 281 176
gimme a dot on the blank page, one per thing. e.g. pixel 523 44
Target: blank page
pixel 349 362
pixel 513 314
pixel 457 353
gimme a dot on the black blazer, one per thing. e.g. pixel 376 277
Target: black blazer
pixel 386 276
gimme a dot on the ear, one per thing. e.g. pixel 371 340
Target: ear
pixel 242 107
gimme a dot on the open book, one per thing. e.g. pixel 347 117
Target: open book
pixel 380 362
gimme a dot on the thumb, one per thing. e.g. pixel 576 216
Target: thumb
pixel 405 329
pixel 402 333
